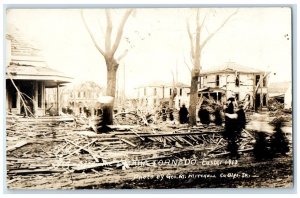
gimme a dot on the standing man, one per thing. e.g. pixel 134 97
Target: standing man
pixel 183 115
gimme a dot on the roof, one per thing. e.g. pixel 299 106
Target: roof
pixel 231 67
pixel 27 62
pixel 164 84
pixel 20 45
pixel 279 87
pixel 87 86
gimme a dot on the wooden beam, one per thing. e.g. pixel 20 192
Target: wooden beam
pixel 179 134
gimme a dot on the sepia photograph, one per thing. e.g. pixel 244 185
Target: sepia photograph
pixel 148 98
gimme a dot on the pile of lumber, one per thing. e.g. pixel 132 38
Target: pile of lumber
pixel 42 149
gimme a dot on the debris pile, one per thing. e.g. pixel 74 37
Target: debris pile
pixel 51 149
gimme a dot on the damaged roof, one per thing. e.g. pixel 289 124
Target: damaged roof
pixel 164 84
pixel 26 61
pixel 231 67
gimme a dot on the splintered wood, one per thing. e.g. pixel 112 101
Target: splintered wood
pixel 44 149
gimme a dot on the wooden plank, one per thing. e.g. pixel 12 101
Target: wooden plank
pixel 128 142
pixel 87 150
pixel 34 171
pixel 18 145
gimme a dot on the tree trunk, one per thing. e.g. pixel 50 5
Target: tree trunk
pixel 193 98
pixel 112 67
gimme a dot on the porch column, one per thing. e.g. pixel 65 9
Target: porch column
pixel 18 103
pixel 43 99
pixel 35 98
pixel 57 98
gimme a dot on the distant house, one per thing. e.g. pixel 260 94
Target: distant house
pixel 83 97
pixel 282 92
pixel 234 80
pixel 156 93
pixel 28 77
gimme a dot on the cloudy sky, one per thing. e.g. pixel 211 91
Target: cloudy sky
pixel 158 42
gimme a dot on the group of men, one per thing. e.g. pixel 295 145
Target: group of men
pixel 235 121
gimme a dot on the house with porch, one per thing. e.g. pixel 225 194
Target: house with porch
pixel 28 78
pixel 245 84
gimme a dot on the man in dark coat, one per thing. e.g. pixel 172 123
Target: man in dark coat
pixel 218 116
pixel 183 115
pixel 203 115
pixel 241 120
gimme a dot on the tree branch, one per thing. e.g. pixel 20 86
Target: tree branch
pixel 197 44
pixel 191 40
pixel 91 35
pixel 218 29
pixel 120 31
pixel 108 31
pixel 187 65
pixel 122 55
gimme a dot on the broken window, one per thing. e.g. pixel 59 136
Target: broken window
pixel 265 81
pixel 265 100
pixel 257 78
pixel 217 80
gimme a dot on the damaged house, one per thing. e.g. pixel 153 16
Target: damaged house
pixel 156 93
pixel 28 78
pixel 83 98
pixel 246 84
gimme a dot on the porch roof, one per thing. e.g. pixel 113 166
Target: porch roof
pixel 211 90
pixel 42 73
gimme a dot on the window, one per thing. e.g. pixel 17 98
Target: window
pixel 145 91
pixel 154 92
pixel 265 100
pixel 170 91
pixel 237 96
pixel 257 78
pixel 180 92
pixel 265 81
pixel 217 80
pixel 237 80
pixel 78 94
pixel 179 103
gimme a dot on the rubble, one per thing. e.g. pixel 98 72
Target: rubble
pixel 44 149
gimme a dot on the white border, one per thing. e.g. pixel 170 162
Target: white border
pixel 164 3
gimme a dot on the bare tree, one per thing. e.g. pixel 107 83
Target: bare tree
pixel 111 46
pixel 196 48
